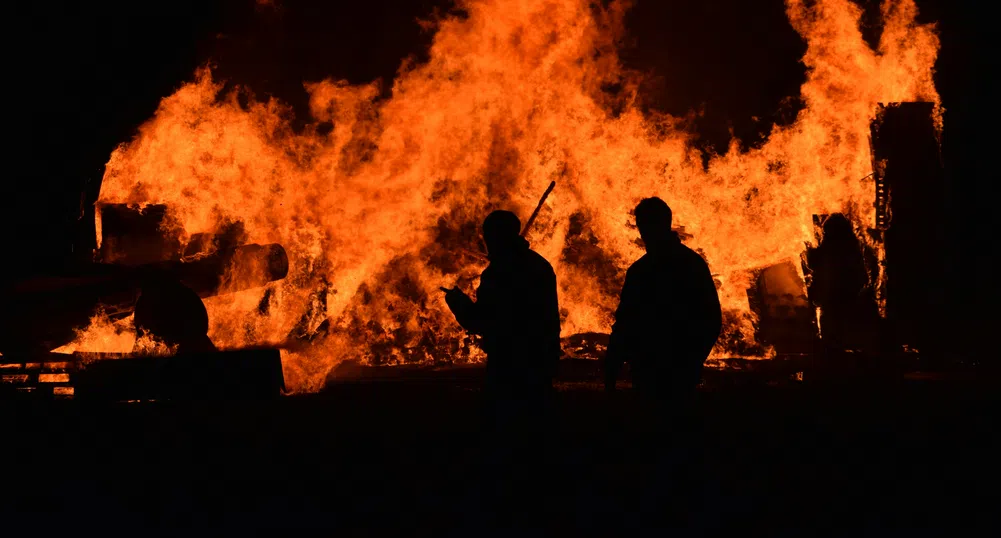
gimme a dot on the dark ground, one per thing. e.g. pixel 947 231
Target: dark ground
pixel 842 456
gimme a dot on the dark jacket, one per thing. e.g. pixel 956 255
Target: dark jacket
pixel 668 318
pixel 517 314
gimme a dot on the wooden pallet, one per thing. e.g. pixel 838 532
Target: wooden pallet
pixel 239 374
pixel 47 375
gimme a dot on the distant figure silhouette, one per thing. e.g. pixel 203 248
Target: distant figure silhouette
pixel 840 287
pixel 669 315
pixel 173 313
pixel 517 314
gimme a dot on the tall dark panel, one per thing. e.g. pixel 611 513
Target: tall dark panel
pixel 909 166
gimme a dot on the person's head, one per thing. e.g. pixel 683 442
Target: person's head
pixel 837 227
pixel 501 232
pixel 654 218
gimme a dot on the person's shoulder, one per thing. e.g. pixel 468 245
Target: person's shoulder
pixel 692 257
pixel 538 258
pixel 694 264
pixel 539 262
pixel 645 263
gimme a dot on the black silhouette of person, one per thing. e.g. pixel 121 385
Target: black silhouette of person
pixel 517 314
pixel 840 287
pixel 669 315
pixel 174 314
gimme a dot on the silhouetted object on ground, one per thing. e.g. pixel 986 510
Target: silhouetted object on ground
pixel 841 287
pixel 52 304
pixel 669 315
pixel 517 314
pixel 786 320
pixel 906 149
pixel 173 313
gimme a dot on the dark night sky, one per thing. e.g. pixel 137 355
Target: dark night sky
pixel 81 77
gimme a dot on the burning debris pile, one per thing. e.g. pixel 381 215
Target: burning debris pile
pixel 378 201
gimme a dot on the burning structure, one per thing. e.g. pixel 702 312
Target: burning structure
pixel 377 201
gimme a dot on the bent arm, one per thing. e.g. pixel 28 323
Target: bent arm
pixel 710 313
pixel 476 317
pixel 615 356
pixel 468 314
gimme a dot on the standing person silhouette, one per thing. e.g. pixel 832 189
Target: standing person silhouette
pixel 666 325
pixel 517 314
pixel 669 315
pixel 174 314
pixel 840 287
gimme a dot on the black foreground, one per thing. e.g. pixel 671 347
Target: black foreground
pixel 836 455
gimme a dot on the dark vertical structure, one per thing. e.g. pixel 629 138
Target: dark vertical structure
pixel 911 184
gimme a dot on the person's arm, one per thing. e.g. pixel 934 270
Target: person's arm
pixel 475 316
pixel 552 308
pixel 615 356
pixel 613 363
pixel 465 310
pixel 711 312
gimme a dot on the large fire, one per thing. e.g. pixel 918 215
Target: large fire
pixel 382 209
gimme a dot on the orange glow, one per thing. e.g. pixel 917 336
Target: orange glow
pixel 378 213
pixel 102 335
pixel 53 378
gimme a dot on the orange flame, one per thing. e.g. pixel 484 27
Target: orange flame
pixel 380 211
pixel 103 335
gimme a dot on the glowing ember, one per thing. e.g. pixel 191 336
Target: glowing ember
pixel 383 209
